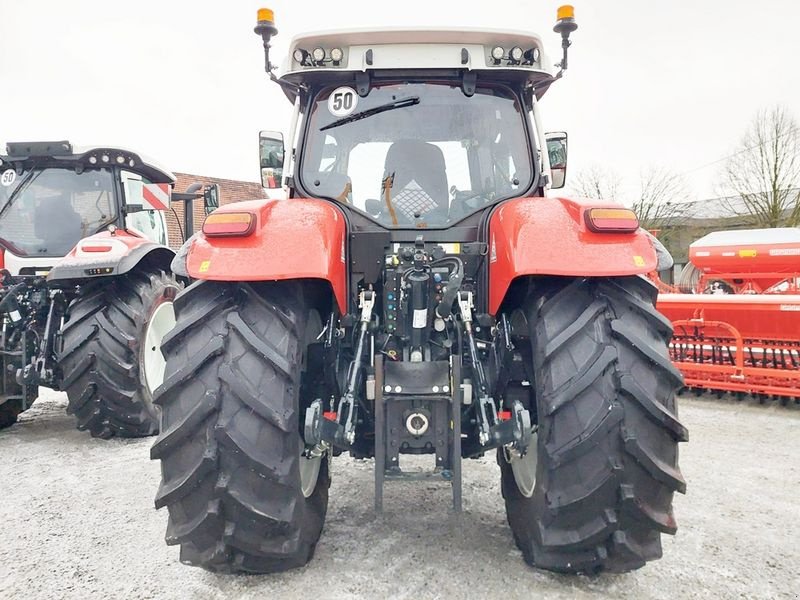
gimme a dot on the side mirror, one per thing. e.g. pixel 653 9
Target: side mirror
pixel 557 151
pixel 211 198
pixel 271 151
pixel 373 207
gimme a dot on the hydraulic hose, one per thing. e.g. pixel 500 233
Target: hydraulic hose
pixel 445 306
pixel 9 303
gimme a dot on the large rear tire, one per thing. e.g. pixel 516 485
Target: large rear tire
pixel 239 494
pixel 109 358
pixel 607 456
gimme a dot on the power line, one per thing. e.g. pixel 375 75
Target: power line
pixel 737 153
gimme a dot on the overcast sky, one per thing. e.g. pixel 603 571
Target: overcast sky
pixel 670 84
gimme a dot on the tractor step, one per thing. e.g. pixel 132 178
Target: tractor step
pixel 445 416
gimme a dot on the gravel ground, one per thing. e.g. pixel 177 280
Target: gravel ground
pixel 78 521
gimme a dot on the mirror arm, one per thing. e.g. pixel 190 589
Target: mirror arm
pixel 545 177
pixel 295 88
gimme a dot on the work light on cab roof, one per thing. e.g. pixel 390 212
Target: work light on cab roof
pixel 359 50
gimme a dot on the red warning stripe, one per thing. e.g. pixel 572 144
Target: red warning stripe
pixel 156 195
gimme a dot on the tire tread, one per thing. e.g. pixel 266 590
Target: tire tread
pixel 238 509
pixel 99 357
pixel 608 428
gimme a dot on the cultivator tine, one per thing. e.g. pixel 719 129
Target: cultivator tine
pixel 720 347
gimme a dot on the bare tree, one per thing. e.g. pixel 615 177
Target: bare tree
pixel 765 172
pixel 658 203
pixel 598 182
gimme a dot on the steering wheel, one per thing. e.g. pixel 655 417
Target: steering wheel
pixel 465 202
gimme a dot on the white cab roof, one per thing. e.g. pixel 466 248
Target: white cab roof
pixel 69 152
pixel 146 160
pixel 420 47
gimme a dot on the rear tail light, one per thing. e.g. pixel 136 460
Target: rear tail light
pixel 611 220
pixel 229 224
pixel 96 248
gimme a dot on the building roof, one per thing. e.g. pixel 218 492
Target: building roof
pixel 724 207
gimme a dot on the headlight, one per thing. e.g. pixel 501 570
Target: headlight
pixel 337 54
pixel 300 56
pixel 318 55
pixel 516 54
pixel 498 52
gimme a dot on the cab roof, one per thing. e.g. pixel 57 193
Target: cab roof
pixel 63 153
pixel 418 48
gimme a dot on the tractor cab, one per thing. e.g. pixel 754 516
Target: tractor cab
pixel 53 195
pixel 415 129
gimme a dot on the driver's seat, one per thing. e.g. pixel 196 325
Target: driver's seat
pixel 57 223
pixel 419 183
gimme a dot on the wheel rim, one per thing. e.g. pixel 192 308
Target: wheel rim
pixel 524 468
pixel 309 473
pixel 309 467
pixel 161 322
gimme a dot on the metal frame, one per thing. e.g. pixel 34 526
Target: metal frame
pixel 713 355
pixel 454 439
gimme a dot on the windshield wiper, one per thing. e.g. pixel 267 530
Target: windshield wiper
pixel 411 101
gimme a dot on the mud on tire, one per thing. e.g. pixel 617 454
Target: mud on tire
pixel 102 349
pixel 608 429
pixel 230 443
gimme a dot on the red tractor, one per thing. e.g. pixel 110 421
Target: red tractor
pixel 86 291
pixel 418 292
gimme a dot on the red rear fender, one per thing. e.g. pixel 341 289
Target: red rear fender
pixel 292 239
pixel 548 236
